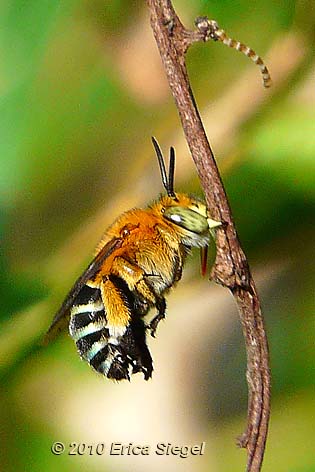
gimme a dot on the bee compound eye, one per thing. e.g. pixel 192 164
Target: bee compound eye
pixel 188 219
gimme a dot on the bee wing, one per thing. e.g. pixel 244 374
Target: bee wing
pixel 62 316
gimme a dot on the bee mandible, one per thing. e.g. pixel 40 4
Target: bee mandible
pixel 138 260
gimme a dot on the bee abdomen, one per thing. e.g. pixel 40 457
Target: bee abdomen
pixel 87 294
pixel 87 322
pixel 87 311
pixel 115 356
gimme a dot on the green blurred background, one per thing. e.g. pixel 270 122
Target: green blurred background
pixel 81 92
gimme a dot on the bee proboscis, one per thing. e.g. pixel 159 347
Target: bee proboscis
pixel 138 260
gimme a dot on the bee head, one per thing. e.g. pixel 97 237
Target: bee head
pixel 187 214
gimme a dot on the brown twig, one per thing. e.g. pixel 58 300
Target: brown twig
pixel 230 268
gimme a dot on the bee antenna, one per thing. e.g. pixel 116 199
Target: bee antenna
pixel 167 182
pixel 171 172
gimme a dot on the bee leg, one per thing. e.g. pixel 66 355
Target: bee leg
pixel 154 300
pixel 161 307
pixel 135 277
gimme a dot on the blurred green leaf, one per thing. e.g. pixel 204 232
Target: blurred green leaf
pixel 285 146
pixel 24 32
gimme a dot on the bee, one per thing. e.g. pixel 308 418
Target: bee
pixel 138 260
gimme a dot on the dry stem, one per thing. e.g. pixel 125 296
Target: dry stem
pixel 230 268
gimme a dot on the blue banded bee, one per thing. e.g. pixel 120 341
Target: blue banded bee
pixel 138 260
